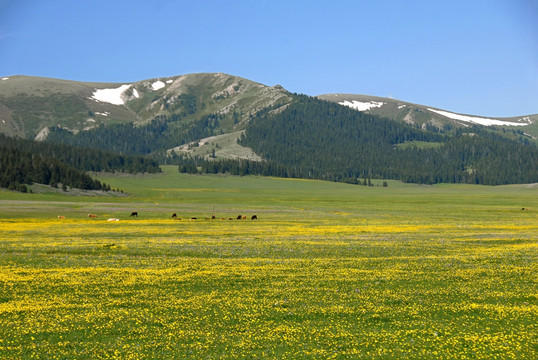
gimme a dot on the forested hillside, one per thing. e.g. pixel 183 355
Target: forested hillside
pixel 23 162
pixel 318 139
pixel 19 168
pixel 155 137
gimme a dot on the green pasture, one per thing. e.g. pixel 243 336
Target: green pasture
pixel 328 271
pixel 155 195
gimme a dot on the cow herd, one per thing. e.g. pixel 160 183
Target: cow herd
pixel 174 216
pixel 213 217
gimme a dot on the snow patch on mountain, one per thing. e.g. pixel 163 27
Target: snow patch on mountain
pixel 362 106
pixel 481 121
pixel 157 85
pixel 6 78
pixel 112 96
pixel 135 93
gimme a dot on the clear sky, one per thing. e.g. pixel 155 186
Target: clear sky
pixel 476 57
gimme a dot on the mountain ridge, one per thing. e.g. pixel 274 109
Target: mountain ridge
pixel 425 116
pixel 87 105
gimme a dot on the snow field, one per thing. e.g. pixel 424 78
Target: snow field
pixel 112 96
pixel 361 106
pixel 479 120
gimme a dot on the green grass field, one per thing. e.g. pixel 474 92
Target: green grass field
pixel 328 271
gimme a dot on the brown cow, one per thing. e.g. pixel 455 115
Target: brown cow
pixel 61 217
pixel 92 215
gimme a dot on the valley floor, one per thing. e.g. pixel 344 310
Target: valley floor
pixel 326 271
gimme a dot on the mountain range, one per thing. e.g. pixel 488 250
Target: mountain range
pixel 216 116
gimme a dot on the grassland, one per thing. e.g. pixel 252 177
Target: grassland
pixel 327 271
pixel 419 145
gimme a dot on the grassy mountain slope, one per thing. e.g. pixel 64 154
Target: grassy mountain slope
pixel 197 95
pixel 29 105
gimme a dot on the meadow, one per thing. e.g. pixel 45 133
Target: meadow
pixel 328 271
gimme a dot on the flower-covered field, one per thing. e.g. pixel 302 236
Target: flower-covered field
pixel 302 284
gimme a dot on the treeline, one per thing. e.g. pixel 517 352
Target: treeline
pixel 240 167
pixel 23 162
pixel 312 138
pixel 85 158
pixel 19 168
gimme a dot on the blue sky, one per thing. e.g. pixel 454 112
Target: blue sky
pixel 476 57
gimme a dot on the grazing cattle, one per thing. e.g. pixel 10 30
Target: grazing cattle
pixel 254 217
pixel 230 218
pixel 134 213
pixel 174 216
pixel 213 217
pixel 244 217
pixel 239 217
pixel 92 215
pixel 61 217
pixel 113 219
pixel 192 218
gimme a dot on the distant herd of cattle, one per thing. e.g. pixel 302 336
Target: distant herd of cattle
pixel 213 217
pixel 174 216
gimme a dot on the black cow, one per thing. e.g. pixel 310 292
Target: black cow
pixel 134 213
pixel 254 217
